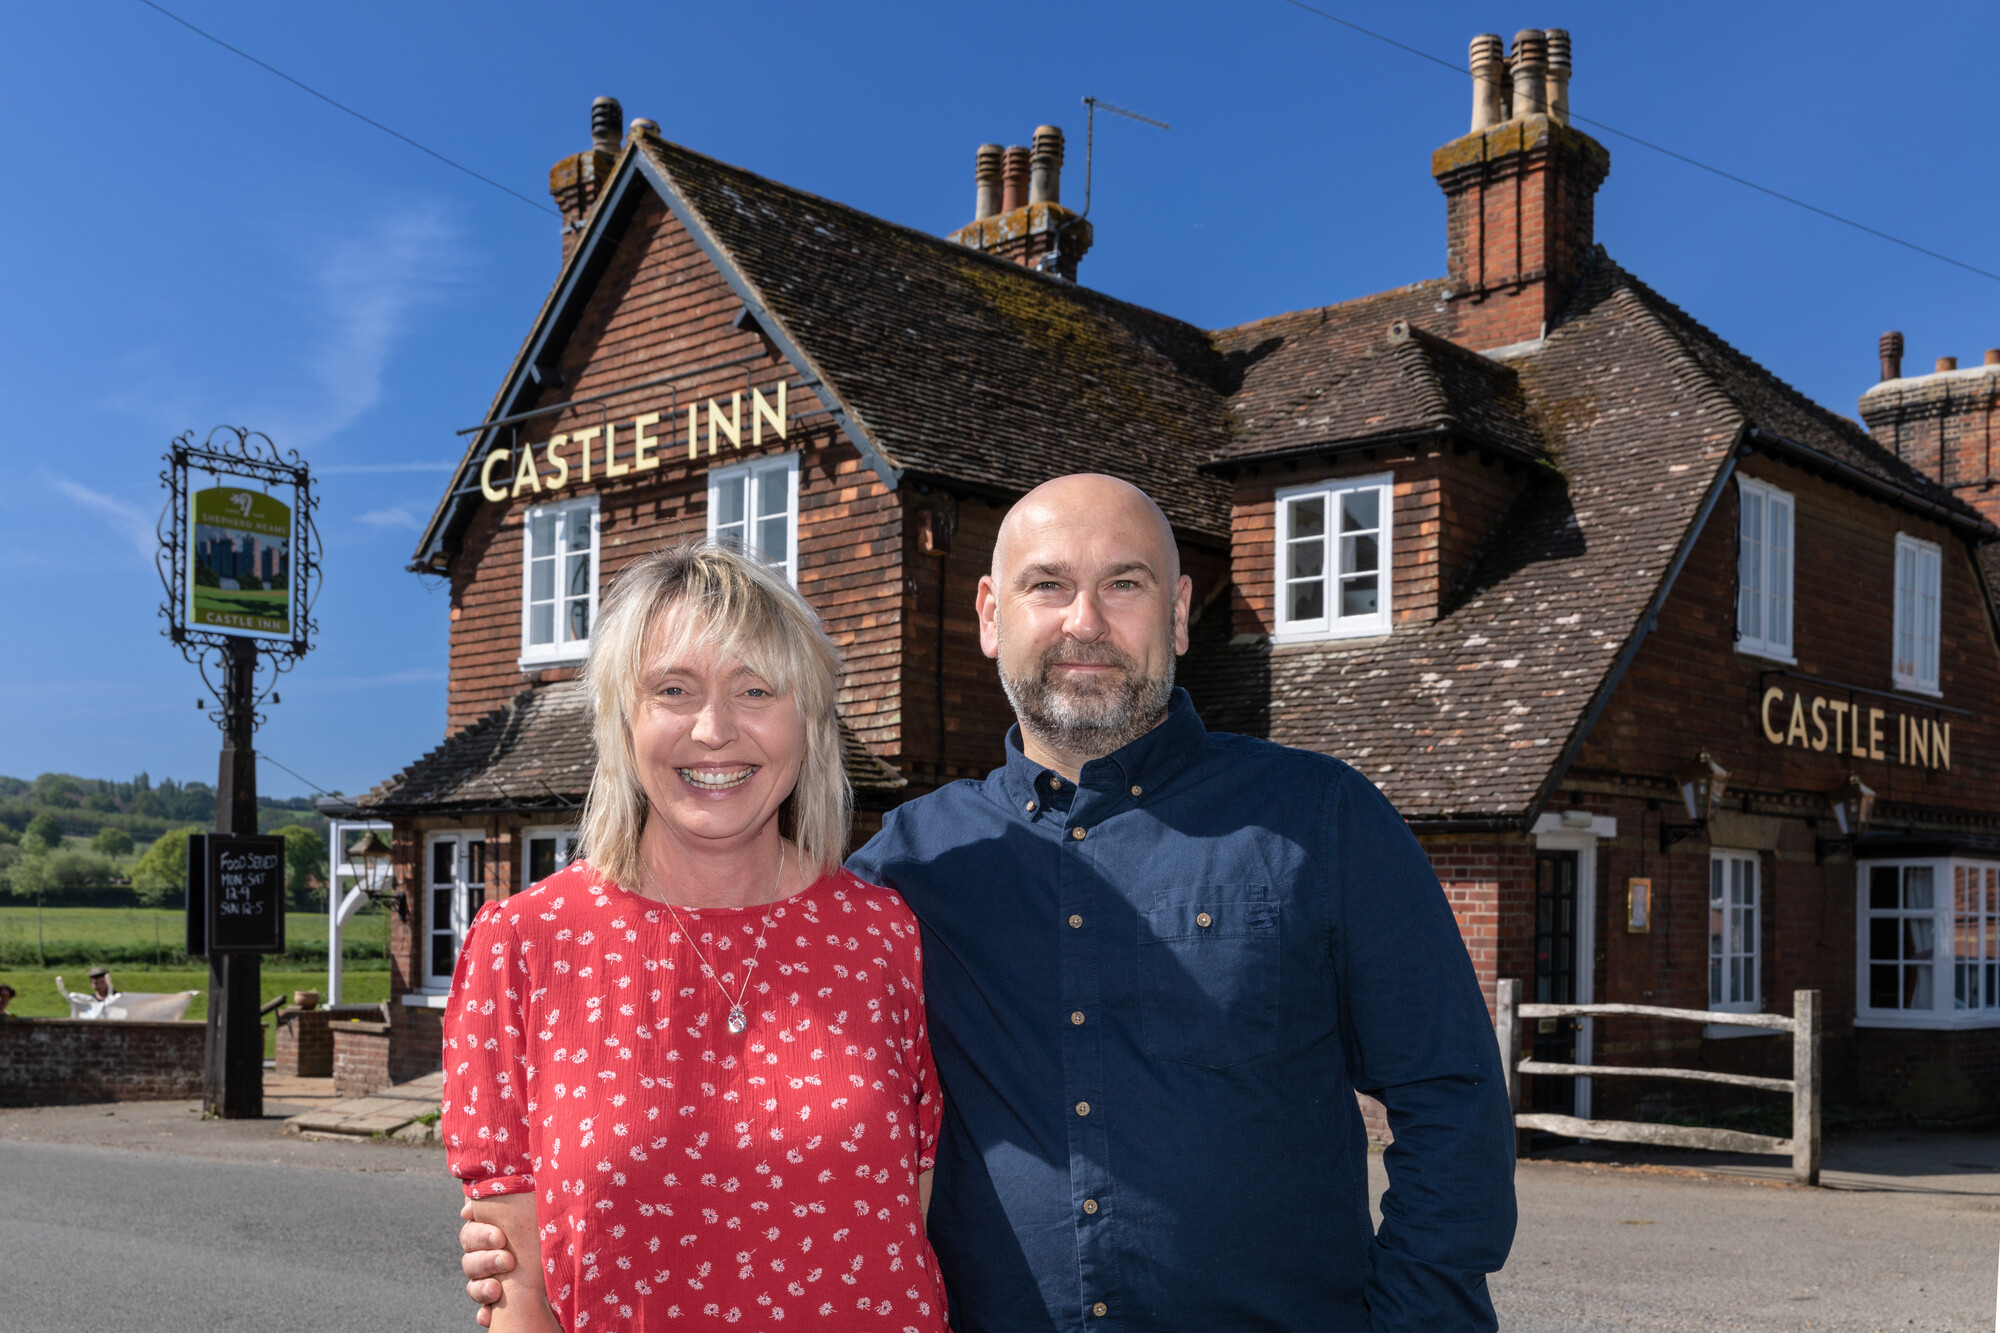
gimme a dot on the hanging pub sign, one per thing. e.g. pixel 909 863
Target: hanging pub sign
pixel 239 562
pixel 235 894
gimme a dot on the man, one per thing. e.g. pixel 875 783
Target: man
pixel 1159 962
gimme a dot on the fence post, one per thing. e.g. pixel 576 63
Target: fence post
pixel 1805 1094
pixel 1507 1031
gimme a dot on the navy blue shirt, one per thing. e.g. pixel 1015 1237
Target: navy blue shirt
pixel 1152 996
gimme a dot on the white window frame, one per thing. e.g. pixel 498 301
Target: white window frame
pixel 565 840
pixel 758 474
pixel 1765 577
pixel 1727 868
pixel 1914 646
pixel 1965 946
pixel 556 651
pixel 1332 625
pixel 460 905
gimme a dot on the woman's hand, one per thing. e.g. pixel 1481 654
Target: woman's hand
pixel 502 1263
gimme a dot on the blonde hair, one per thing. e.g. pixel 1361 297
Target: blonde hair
pixel 740 607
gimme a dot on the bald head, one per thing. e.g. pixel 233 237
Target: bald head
pixel 1088 502
pixel 1085 610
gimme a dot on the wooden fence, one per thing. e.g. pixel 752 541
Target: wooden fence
pixel 1804 1084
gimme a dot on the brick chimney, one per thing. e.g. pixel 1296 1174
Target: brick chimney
pixel 1942 424
pixel 576 181
pixel 1018 210
pixel 1519 193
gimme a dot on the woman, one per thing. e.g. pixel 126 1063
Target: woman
pixel 687 1076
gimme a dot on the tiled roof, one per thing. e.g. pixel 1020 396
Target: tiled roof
pixel 960 365
pixel 535 753
pixel 1466 717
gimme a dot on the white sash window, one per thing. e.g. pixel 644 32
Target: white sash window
pixel 1764 548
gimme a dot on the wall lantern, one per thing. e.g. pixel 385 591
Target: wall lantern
pixel 375 858
pixel 1701 785
pixel 1853 805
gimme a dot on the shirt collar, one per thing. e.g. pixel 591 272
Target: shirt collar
pixel 1146 763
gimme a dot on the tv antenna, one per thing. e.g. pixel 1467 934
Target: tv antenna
pixel 1050 261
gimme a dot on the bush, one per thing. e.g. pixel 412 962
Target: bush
pixel 115 843
pixel 164 866
pixel 64 869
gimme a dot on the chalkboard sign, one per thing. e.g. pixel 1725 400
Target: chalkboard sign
pixel 236 894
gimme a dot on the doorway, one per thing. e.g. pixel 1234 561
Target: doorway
pixel 1556 930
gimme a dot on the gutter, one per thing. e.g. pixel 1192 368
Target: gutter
pixel 1854 476
pixel 1395 439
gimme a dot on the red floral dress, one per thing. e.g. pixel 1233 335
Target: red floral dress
pixel 683 1175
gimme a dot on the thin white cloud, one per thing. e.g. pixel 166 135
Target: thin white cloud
pixel 128 521
pixel 383 519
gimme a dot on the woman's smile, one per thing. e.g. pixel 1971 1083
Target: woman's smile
pixel 712 778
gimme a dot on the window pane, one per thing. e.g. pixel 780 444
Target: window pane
pixel 1882 888
pixel 1883 934
pixel 1917 987
pixel 576 627
pixel 1917 888
pixel 443 954
pixel 1360 510
pixel 541 536
pixel 440 909
pixel 1778 555
pixel 1750 568
pixel 475 862
pixel 773 540
pixel 774 493
pixel 444 861
pixel 1307 600
pixel 1308 516
pixel 1357 554
pixel 577 578
pixel 1882 990
pixel 541 859
pixel 1918 937
pixel 542 623
pixel 729 501
pixel 1306 559
pixel 578 536
pixel 541 580
pixel 1357 596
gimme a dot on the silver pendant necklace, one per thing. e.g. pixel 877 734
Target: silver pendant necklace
pixel 738 1021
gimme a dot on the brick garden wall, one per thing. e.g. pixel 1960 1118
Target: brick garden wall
pixel 70 1061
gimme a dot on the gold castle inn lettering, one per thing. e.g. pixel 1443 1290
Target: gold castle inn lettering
pixel 1815 722
pixel 536 468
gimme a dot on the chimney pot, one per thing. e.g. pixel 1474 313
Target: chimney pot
pixel 1531 72
pixel 1013 179
pixel 1993 356
pixel 1558 77
pixel 1045 166
pixel 606 116
pixel 640 125
pixel 986 181
pixel 1891 347
pixel 1945 363
pixel 1488 59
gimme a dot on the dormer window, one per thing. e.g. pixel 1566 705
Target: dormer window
pixel 1333 556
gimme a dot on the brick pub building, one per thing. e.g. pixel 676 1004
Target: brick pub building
pixel 1685 682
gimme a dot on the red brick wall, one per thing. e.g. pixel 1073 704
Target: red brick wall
pixel 1935 1077
pixel 304 1047
pixel 70 1061
pixel 361 1058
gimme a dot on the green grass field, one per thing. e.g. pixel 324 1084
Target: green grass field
pixel 39 998
pixel 77 937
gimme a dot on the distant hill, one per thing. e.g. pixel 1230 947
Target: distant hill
pixel 141 807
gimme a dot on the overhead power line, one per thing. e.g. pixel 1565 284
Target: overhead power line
pixel 1730 176
pixel 342 106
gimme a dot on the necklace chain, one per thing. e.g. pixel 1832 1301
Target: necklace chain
pixel 738 1020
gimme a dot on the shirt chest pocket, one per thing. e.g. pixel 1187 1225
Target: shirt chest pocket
pixel 1208 974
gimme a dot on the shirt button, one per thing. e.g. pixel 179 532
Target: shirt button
pixel 1204 920
pixel 1076 1018
pixel 1100 1309
pixel 1076 833
pixel 1055 783
pixel 1083 1108
pixel 1031 807
pixel 1090 1206
pixel 1137 790
pixel 1076 923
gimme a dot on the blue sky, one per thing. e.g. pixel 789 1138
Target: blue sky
pixel 190 241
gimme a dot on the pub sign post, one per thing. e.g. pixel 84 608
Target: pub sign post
pixel 239 559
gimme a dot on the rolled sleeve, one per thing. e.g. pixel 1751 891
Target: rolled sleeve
pixel 486 1094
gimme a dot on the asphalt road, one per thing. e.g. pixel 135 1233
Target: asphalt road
pixel 143 1219
pixel 145 1240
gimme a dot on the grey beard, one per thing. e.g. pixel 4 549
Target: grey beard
pixel 1088 724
